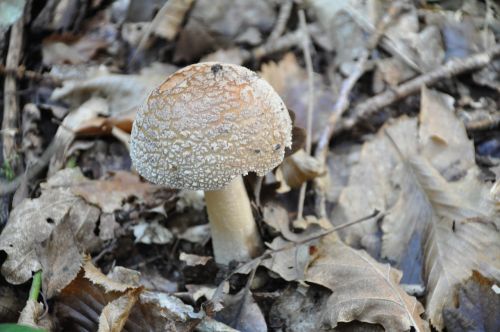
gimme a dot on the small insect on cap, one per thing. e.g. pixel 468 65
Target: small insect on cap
pixel 208 123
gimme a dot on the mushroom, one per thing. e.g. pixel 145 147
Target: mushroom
pixel 204 127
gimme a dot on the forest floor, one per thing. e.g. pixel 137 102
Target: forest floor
pixel 386 217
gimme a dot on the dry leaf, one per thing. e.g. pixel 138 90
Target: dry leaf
pixel 60 258
pixel 115 314
pixel 477 309
pixel 363 290
pixel 111 193
pixel 93 301
pixel 289 264
pixel 169 23
pixel 57 204
pixel 242 313
pixel 299 168
pixel 290 81
pixel 152 232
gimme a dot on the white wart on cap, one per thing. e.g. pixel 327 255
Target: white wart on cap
pixel 208 123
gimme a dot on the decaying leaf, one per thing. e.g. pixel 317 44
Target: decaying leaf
pixel 299 168
pixel 242 312
pixel 95 302
pixel 57 204
pixel 59 257
pixel 363 290
pixel 290 80
pixel 115 314
pixel 289 264
pixel 440 222
pixel 153 232
pixel 110 194
pixel 477 307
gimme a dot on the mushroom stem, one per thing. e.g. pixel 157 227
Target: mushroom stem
pixel 234 232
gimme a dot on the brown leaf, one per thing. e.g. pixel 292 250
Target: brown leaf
pixel 290 80
pixel 299 168
pixel 55 205
pixel 363 290
pixel 60 258
pixel 477 309
pixel 110 194
pixel 115 314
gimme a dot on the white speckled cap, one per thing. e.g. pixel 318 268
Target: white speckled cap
pixel 208 123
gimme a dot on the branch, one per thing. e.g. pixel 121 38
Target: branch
pixel 372 106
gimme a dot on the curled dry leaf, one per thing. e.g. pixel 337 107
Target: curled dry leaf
pixel 299 168
pixel 363 290
pixel 95 302
pixel 115 314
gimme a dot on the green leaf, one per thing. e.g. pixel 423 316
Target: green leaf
pixel 18 328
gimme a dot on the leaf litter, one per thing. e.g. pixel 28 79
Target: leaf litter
pixel 119 254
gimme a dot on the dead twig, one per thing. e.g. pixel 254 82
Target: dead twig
pixel 281 21
pixel 342 103
pixel 373 105
pixel 11 103
pixel 22 73
pixel 310 101
pixel 285 42
pixel 252 265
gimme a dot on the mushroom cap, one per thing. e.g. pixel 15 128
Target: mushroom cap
pixel 208 123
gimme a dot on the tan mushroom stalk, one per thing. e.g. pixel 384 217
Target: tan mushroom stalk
pixel 203 128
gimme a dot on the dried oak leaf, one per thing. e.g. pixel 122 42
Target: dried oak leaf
pixel 33 222
pixel 477 308
pixel 363 289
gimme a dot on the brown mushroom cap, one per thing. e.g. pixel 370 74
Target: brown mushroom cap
pixel 208 123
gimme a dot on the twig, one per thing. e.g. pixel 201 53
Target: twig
pixel 282 43
pixel 11 102
pixel 281 21
pixel 22 73
pixel 452 68
pixel 310 102
pixel 179 7
pixel 252 264
pixel 393 46
pixel 342 103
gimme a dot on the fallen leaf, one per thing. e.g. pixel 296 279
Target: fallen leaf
pixel 289 264
pixel 290 80
pixel 55 205
pixel 59 257
pixel 152 232
pixel 115 314
pixel 363 290
pixel 477 309
pixel 242 312
pixel 110 194
pixel 299 168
